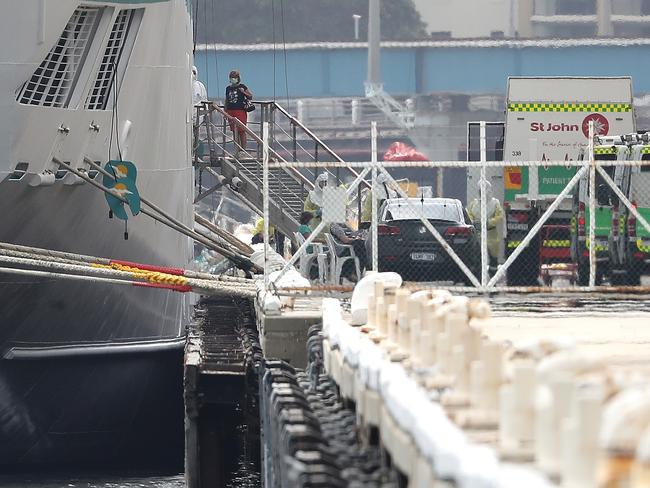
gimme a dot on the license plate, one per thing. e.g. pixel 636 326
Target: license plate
pixel 423 256
pixel 517 226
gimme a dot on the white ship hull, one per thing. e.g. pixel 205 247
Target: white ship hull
pixel 79 362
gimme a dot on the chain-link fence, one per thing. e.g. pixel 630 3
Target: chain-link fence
pixel 524 225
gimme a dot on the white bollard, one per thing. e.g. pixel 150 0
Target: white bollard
pixel 380 317
pixel 410 338
pixel 516 416
pixel 552 409
pixel 624 419
pixel 456 320
pixel 418 338
pixel 492 375
pixel 433 325
pixel 402 300
pixel 580 452
pixel 485 380
pixel 392 328
pixel 372 309
pixel 443 353
pixel 523 383
pixel 640 477
pixel 466 354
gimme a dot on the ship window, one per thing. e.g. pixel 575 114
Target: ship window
pixel 19 172
pixel 576 7
pixel 60 173
pixel 115 57
pixel 53 82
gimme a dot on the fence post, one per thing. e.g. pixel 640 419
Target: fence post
pixel 265 198
pixel 373 193
pixel 294 136
pixel 484 250
pixel 359 209
pixel 224 137
pixel 592 207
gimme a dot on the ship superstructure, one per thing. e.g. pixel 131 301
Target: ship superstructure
pixel 84 82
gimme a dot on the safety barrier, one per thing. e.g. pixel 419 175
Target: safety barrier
pixel 518 226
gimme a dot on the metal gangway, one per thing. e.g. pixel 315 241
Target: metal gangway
pixel 242 168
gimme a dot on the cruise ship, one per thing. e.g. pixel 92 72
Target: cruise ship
pixel 92 371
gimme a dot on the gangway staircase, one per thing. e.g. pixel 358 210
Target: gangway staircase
pixel 242 168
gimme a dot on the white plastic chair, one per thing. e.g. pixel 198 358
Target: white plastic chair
pixel 306 259
pixel 338 259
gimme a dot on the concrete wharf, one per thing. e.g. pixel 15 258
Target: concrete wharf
pixel 362 405
pixel 511 399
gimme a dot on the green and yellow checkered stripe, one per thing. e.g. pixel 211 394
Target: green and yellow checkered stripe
pixel 606 150
pixel 569 107
pixel 556 243
pixel 600 246
pixel 645 150
pixel 644 246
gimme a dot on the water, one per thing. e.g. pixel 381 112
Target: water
pixel 241 460
pixel 96 480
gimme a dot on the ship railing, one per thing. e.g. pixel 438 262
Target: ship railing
pixel 289 141
pixel 248 160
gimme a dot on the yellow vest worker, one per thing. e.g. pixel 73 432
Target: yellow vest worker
pixel 383 193
pixel 258 232
pixel 494 214
pixel 314 201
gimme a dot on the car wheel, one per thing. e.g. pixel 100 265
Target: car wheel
pixel 583 274
pixel 633 277
pixel 616 277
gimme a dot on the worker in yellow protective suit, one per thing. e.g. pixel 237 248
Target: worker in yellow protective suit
pixel 494 214
pixel 314 201
pixel 258 232
pixel 383 192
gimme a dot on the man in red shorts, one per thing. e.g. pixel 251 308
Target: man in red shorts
pixel 236 96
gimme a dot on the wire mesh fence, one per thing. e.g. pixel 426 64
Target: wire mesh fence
pixel 525 225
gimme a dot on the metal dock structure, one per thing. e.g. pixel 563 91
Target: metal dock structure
pixel 222 358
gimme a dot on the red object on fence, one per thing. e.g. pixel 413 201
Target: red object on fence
pixel 398 151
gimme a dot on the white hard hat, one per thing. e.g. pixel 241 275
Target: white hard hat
pixel 195 71
pixel 322 177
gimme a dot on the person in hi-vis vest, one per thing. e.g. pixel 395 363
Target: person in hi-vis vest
pixel 494 214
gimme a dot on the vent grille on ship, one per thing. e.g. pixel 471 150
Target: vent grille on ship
pixel 53 81
pixel 98 95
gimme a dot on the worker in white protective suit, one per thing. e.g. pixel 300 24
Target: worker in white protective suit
pixel 383 192
pixel 199 93
pixel 494 214
pixel 314 202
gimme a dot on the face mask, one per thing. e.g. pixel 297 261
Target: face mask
pixel 234 81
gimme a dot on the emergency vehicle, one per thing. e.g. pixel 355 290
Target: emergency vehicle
pixel 547 119
pixel 629 243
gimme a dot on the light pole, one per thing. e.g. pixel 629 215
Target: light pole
pixel 356 18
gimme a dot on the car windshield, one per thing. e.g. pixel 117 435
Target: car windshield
pixel 428 210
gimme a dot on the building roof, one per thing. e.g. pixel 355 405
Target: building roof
pixel 452 43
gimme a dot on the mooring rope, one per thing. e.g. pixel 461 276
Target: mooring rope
pixel 121 272
pixel 167 220
pixel 18 250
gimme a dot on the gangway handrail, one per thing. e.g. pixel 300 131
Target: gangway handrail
pixel 312 136
pixel 294 173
